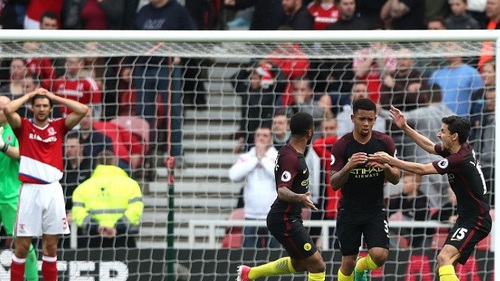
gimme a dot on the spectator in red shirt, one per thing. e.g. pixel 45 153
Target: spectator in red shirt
pixel 35 10
pixel 127 146
pixel 322 147
pixel 42 67
pixel 73 86
pixel 126 91
pixel 372 64
pixel 493 14
pixel 93 14
pixel 293 66
pixel 324 12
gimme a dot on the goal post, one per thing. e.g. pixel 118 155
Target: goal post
pixel 197 107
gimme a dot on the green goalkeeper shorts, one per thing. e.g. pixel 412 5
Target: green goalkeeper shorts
pixel 8 211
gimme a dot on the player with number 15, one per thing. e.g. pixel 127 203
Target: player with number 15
pixel 466 180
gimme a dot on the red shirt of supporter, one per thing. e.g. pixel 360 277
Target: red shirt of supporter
pixel 42 67
pixel 127 97
pixel 293 63
pixel 323 13
pixel 72 86
pixel 323 147
pixel 371 65
pixel 94 17
pixel 84 90
pixel 487 48
pixel 127 146
pixel 37 7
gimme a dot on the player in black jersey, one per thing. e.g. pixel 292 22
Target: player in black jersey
pixel 284 220
pixel 361 208
pixel 466 179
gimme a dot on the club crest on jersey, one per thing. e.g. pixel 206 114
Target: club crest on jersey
pixel 51 131
pixel 286 176
pixel 443 164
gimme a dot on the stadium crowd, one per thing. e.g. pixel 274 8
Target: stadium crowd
pixel 129 95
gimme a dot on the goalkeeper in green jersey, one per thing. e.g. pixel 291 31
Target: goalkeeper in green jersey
pixel 9 187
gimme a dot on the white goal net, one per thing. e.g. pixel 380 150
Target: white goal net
pixel 179 108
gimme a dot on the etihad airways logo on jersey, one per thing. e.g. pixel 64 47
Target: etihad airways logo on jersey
pixel 38 138
pixel 366 172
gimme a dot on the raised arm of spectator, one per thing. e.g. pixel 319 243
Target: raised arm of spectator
pixel 362 66
pixel 393 9
pixel 398 9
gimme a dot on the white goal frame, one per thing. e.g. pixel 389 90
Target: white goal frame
pixel 276 36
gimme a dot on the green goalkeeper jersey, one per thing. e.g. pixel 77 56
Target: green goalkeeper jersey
pixel 9 169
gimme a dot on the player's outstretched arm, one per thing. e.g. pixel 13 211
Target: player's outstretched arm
pixel 416 168
pixel 10 110
pixel 79 110
pixel 399 118
pixel 287 195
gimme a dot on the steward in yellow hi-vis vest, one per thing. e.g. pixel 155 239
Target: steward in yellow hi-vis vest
pixel 107 207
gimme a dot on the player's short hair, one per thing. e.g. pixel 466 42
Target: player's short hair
pixel 364 104
pixel 280 112
pixel 300 123
pixel 38 96
pixel 73 135
pixel 19 59
pixel 106 157
pixel 48 14
pixel 265 128
pixel 458 125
